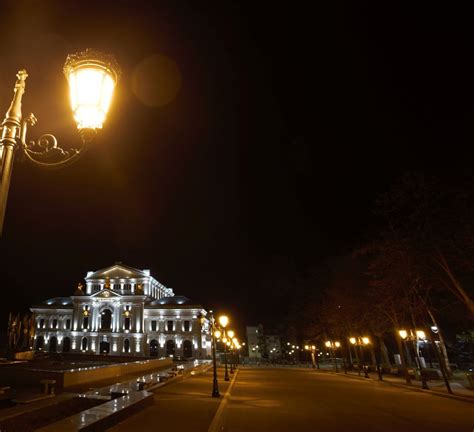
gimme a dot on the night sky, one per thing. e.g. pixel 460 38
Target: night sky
pixel 245 144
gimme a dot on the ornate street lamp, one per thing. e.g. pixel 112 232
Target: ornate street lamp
pixel 92 77
pixel 223 321
pixel 360 342
pixel 332 349
pixel 230 334
pixel 414 337
pixel 215 334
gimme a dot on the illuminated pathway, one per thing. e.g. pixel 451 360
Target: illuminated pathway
pixel 300 400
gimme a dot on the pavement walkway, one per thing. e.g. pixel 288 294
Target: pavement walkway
pixel 183 405
pixel 458 388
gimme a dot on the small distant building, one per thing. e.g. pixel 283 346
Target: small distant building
pixel 122 311
pixel 255 341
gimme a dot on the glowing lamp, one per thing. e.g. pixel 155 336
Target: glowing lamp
pixel 306 347
pixel 92 77
pixel 420 334
pixel 352 340
pixel 338 344
pixel 223 321
pixel 328 344
pixel 231 333
pixel 403 334
pixel 217 334
pixel 365 340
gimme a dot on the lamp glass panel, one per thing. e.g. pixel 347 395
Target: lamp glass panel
pixel 91 90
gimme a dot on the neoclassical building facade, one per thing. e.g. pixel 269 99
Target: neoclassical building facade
pixel 123 311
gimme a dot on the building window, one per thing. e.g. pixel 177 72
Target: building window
pixel 85 322
pixel 53 344
pixel 126 345
pixel 153 326
pixel 39 343
pixel 106 320
pixel 68 324
pixel 96 287
pixel 116 286
pixel 55 323
pixel 84 344
pixel 170 348
pixel 187 326
pixel 169 325
pixel 41 323
pixel 127 287
pixel 187 349
pixel 127 324
pixel 66 344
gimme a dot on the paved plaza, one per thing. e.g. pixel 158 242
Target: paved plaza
pixel 273 399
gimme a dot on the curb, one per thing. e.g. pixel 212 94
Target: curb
pixel 431 392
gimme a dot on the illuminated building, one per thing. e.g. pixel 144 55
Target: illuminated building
pixel 122 311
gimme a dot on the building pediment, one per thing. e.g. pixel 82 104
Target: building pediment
pixel 117 271
pixel 105 294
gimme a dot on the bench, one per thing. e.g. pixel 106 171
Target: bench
pixel 48 385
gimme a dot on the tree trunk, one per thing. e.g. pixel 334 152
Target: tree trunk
pixel 384 351
pixel 442 345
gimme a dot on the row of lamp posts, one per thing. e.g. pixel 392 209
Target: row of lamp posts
pixel 358 344
pixel 220 333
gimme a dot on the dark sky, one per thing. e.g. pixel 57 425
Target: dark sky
pixel 281 126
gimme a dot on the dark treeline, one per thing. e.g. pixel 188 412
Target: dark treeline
pixel 415 273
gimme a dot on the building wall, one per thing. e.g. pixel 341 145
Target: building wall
pixel 77 327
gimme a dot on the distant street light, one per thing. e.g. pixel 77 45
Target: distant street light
pixel 414 337
pixel 314 357
pixel 360 342
pixel 92 77
pixel 230 334
pixel 332 349
pixel 223 321
pixel 215 334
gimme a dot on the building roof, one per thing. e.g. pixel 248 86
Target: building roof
pixel 56 303
pixel 171 302
pixel 118 271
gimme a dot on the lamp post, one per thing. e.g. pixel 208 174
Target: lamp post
pixel 332 349
pixel 235 349
pixel 360 342
pixel 223 321
pixel 230 334
pixel 314 357
pixel 414 337
pixel 214 335
pixel 92 77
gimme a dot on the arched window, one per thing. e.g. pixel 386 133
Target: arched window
pixel 53 343
pixel 187 349
pixel 84 344
pixel 39 343
pixel 154 348
pixel 104 347
pixel 106 320
pixel 55 323
pixel 170 347
pixel 66 344
pixel 126 345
